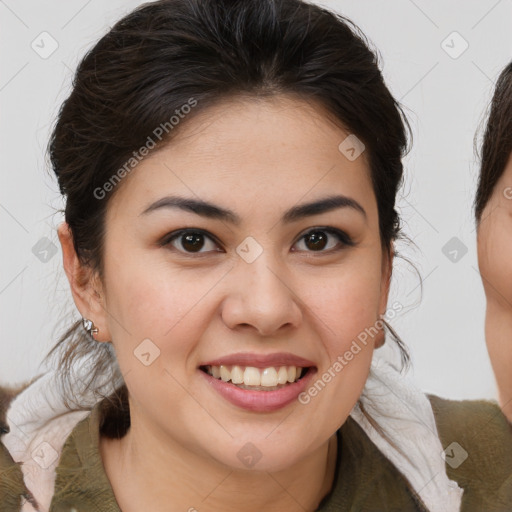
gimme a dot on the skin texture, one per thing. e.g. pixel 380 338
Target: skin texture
pixel 257 158
pixel 494 238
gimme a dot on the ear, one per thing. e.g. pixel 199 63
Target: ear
pixel 387 268
pixel 85 285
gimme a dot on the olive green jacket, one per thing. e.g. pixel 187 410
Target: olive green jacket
pixel 365 480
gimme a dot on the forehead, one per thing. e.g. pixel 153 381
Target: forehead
pixel 276 150
pixel 263 127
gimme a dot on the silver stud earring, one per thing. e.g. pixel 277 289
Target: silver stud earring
pixel 89 326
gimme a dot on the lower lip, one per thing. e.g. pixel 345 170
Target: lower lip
pixel 259 401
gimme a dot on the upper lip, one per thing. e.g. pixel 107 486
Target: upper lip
pixel 260 360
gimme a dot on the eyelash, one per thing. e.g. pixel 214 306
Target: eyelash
pixel 343 238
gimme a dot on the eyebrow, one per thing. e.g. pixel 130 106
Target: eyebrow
pixel 212 211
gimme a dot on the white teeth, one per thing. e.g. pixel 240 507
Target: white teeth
pixel 237 375
pixel 225 374
pixel 250 376
pixel 282 375
pixel 269 377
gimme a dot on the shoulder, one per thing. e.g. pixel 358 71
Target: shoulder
pixel 477 442
pixel 12 486
pixel 13 491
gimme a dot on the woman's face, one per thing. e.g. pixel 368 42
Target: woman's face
pixel 495 240
pixel 245 289
pixel 494 250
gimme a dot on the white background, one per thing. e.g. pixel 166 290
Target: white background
pixel 445 99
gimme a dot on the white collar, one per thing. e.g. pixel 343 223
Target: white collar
pixel 405 415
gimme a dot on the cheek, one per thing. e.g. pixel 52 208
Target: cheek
pixel 351 310
pixel 149 300
pixel 346 307
pixel 494 250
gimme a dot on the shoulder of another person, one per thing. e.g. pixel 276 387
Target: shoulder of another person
pixel 477 442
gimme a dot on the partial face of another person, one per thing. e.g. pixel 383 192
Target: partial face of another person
pixel 255 282
pixel 495 262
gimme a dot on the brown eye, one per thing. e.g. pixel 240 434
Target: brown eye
pixel 190 241
pixel 317 239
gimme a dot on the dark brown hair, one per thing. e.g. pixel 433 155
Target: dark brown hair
pixel 165 53
pixel 497 141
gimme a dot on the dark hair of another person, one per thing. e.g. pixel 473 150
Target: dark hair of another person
pixel 497 141
pixel 158 57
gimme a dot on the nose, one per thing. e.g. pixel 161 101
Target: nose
pixel 261 297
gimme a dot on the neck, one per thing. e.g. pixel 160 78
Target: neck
pixel 148 476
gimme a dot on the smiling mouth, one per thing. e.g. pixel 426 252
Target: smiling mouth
pixel 257 379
